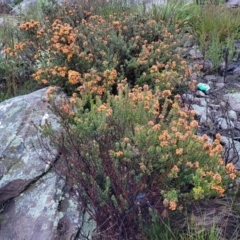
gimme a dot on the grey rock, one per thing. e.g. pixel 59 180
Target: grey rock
pixel 34 197
pixel 232 115
pixel 7 2
pixel 234 101
pixel 220 80
pixel 200 111
pixel 214 106
pixel 204 120
pixel 197 100
pixel 200 94
pixel 233 3
pixel 237 125
pixel 24 7
pixel 207 66
pixel 202 114
pixel 188 97
pixel 236 133
pixel 195 53
pixel 231 150
pixel 219 85
pixel 223 104
pixel 236 71
pixel 2 20
pixel 223 123
pixel 237 44
pixel 203 103
pixel 210 78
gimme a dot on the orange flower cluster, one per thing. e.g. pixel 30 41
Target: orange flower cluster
pixel 172 205
pixel 50 91
pixel 174 172
pixel 104 108
pixel 74 77
pixel 143 95
pixel 43 75
pixel 63 39
pixel 93 82
pixel 110 76
pixel 29 25
pixel 231 170
pixel 17 48
pixel 219 190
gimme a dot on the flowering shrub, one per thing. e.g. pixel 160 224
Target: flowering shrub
pixel 93 52
pixel 128 147
pixel 129 155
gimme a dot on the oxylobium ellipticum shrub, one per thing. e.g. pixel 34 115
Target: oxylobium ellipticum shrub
pixel 129 157
pixel 80 50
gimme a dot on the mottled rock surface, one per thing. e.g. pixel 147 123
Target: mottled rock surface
pixel 24 7
pixel 234 100
pixel 37 204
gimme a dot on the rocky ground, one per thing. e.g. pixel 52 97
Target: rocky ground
pixel 218 109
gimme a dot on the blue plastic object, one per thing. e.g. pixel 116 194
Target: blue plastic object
pixel 203 87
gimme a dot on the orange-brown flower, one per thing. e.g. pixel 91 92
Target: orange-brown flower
pixel 166 93
pixel 217 177
pixel 179 151
pixel 74 77
pixel 116 24
pixel 50 91
pixel 194 124
pixel 219 190
pixel 172 205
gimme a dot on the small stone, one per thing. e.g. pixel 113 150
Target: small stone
pixel 210 78
pixel 205 120
pixel 236 71
pixel 224 123
pixel 188 97
pixel 207 66
pixel 203 103
pixel 214 106
pixel 234 101
pixel 236 133
pixel 2 20
pixel 237 125
pixel 220 80
pixel 232 115
pixel 223 104
pixel 200 94
pixel 220 85
pixel 195 53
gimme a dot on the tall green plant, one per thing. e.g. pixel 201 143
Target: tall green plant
pixel 215 28
pixel 172 12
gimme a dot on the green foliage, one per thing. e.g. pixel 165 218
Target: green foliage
pixel 116 7
pixel 14 72
pixel 173 11
pixel 216 50
pixel 215 28
pixel 163 230
pixel 201 233
pixel 100 51
pixel 127 155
